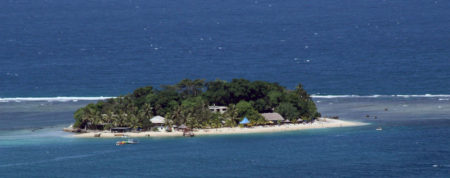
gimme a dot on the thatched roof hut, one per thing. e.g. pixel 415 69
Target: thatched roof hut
pixel 158 120
pixel 272 117
pixel 182 126
pixel 287 121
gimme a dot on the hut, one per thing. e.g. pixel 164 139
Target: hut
pixel 299 120
pixel 274 118
pixel 120 129
pixel 158 122
pixel 286 121
pixel 186 131
pixel 182 127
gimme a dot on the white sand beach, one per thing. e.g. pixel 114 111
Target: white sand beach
pixel 320 123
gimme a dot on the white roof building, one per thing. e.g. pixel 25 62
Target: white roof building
pixel 221 109
pixel 158 120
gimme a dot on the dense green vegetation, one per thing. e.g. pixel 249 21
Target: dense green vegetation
pixel 187 103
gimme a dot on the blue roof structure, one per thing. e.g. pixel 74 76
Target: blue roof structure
pixel 244 121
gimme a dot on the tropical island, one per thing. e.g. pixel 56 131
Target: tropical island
pixel 202 107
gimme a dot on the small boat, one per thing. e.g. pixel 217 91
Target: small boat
pixel 188 134
pixel 379 129
pixel 129 141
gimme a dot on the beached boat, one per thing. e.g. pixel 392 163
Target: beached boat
pixel 188 134
pixel 129 141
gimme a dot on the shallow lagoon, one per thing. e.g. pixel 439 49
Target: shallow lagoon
pixel 410 145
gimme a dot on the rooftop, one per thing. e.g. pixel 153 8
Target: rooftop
pixel 272 116
pixel 217 107
pixel 158 120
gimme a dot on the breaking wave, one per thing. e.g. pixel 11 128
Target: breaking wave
pixel 54 99
pixel 96 98
pixel 382 96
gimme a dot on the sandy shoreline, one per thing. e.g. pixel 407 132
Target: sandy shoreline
pixel 321 123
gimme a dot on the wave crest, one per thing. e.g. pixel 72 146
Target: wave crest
pixel 52 99
pixel 96 98
pixel 382 96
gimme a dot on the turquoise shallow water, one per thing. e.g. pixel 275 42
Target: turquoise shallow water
pixel 410 145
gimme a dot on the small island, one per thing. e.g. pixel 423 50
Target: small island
pixel 199 107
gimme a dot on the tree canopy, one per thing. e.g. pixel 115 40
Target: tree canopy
pixel 187 103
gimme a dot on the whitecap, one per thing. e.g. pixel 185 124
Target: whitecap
pixel 440 96
pixel 52 99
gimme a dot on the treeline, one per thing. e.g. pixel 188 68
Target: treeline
pixel 187 103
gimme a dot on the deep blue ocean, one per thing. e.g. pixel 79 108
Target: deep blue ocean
pixel 356 57
pixel 110 47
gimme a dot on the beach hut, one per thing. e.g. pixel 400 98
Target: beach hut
pixel 299 120
pixel 244 121
pixel 159 122
pixel 286 121
pixel 186 131
pixel 273 117
pixel 182 127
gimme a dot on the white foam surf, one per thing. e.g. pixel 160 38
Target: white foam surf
pixel 54 99
pixel 96 98
pixel 382 96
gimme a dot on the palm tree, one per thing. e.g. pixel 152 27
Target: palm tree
pixel 123 119
pixel 96 119
pixel 133 121
pixel 197 86
pixel 105 118
pixel 85 118
pixel 232 114
pixel 147 110
pixel 184 87
pixel 189 87
pixel 301 92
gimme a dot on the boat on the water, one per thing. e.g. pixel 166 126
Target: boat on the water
pixel 129 141
pixel 379 129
